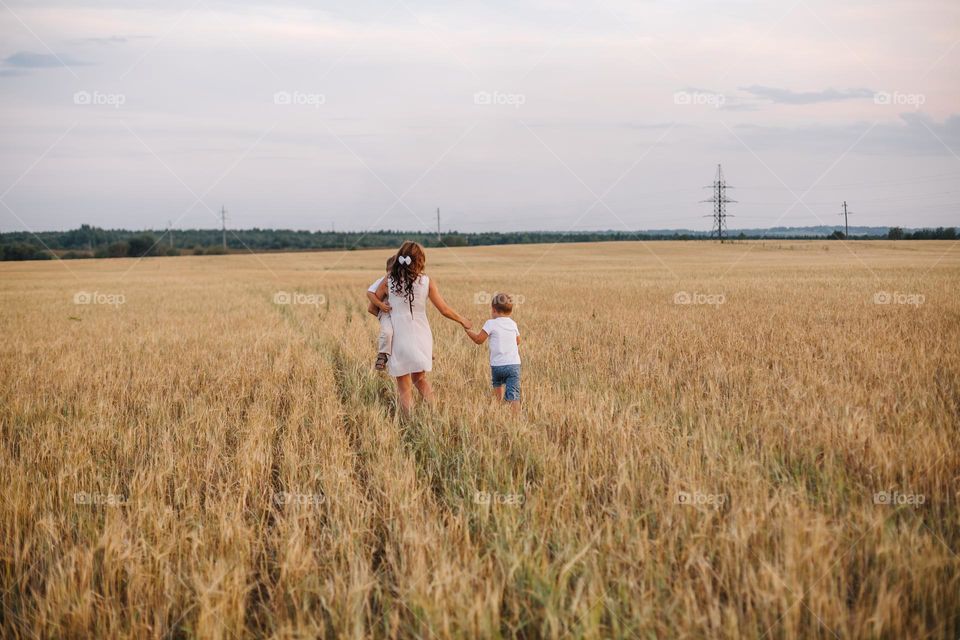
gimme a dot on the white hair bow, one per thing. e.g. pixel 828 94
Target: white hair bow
pixel 404 260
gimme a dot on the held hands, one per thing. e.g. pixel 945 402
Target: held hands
pixel 474 336
pixel 385 307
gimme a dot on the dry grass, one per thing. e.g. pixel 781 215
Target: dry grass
pixel 780 413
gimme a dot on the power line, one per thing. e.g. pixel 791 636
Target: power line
pixel 720 201
pixel 935 194
pixel 223 223
pixel 846 223
pixel 872 183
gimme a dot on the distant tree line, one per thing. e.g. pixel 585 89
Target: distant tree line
pixel 94 242
pixel 940 233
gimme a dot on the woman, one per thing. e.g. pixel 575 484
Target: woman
pixel 408 289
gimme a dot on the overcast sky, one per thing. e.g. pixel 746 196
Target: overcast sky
pixel 508 115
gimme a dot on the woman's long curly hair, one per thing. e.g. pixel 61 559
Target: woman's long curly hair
pixel 402 275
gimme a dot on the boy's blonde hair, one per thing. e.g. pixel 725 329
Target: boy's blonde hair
pixel 502 303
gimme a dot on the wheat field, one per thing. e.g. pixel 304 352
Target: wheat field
pixel 751 440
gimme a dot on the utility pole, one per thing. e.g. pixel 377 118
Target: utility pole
pixel 720 201
pixel 223 223
pixel 846 225
pixel 439 239
pixel 170 232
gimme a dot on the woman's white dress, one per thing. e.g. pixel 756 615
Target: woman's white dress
pixel 412 338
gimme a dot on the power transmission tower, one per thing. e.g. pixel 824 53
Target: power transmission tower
pixel 720 201
pixel 439 239
pixel 846 225
pixel 223 225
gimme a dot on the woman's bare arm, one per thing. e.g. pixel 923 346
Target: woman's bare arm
pixel 445 310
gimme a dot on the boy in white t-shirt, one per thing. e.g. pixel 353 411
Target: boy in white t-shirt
pixel 504 336
pixel 385 339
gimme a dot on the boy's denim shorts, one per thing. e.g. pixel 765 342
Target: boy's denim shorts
pixel 507 375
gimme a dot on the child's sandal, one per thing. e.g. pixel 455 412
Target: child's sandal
pixel 381 362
